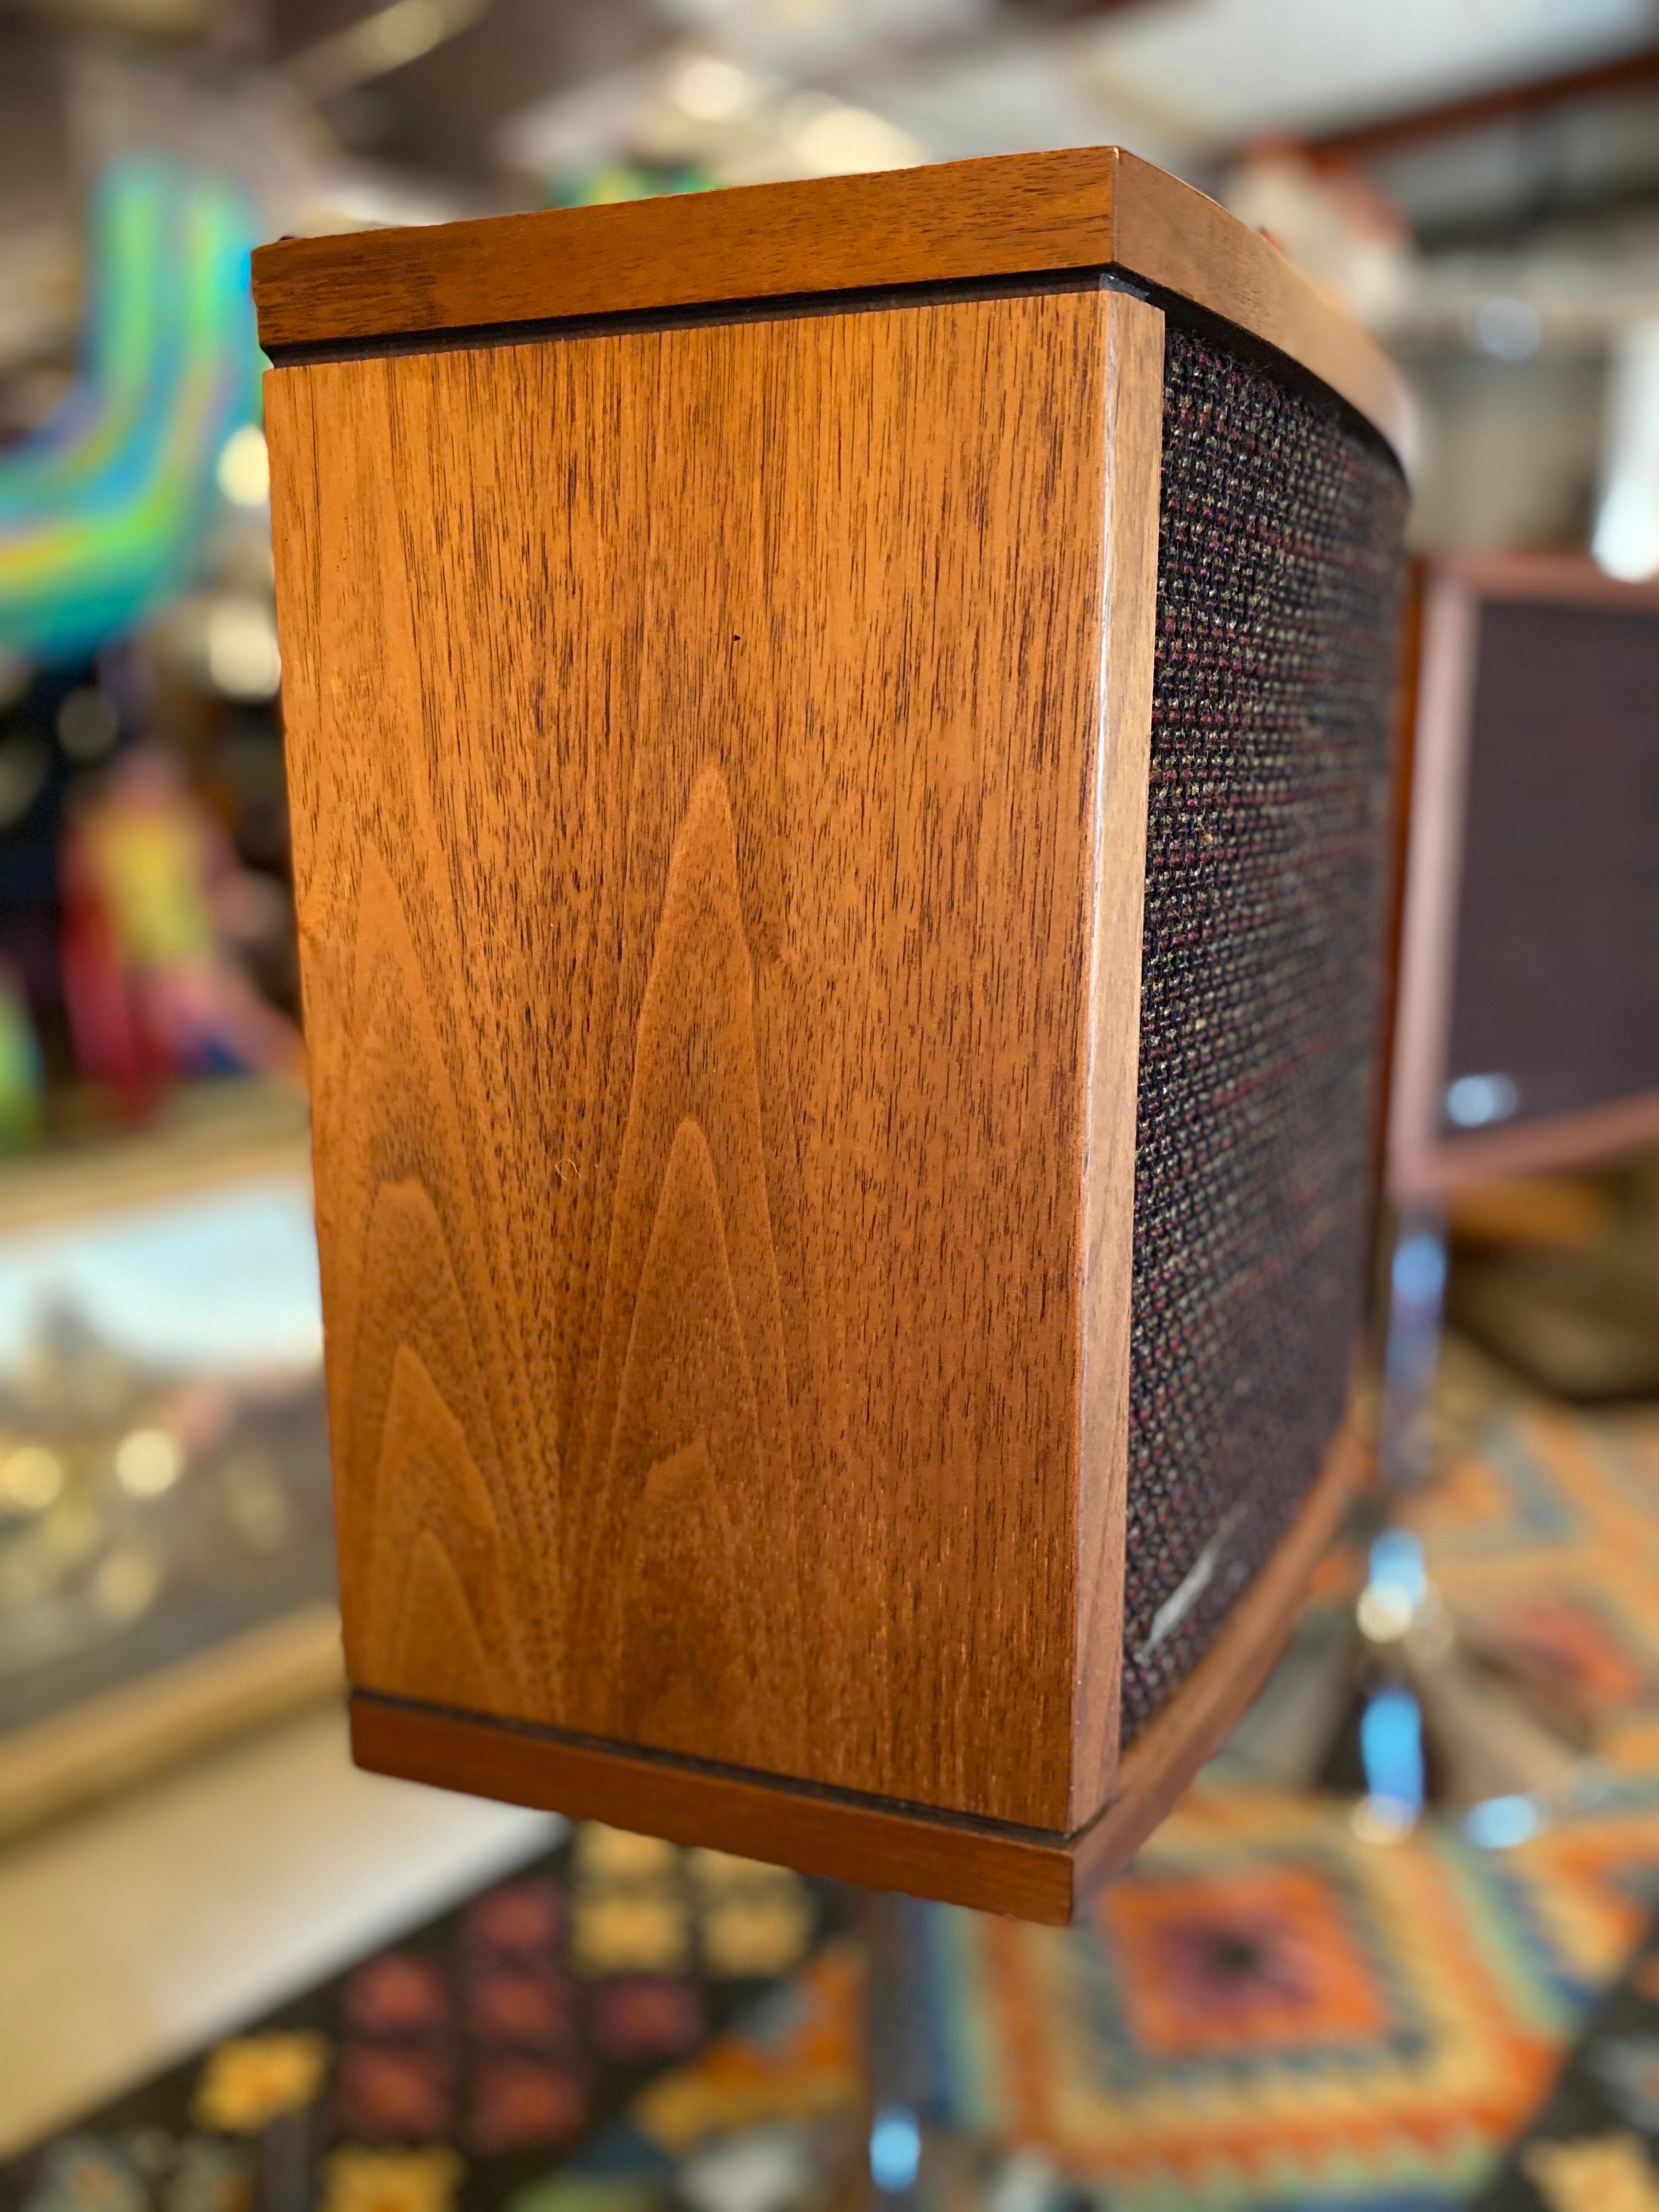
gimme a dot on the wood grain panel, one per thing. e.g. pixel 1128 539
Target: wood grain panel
pixel 695 747
pixel 1078 209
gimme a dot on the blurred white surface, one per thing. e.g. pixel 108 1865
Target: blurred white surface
pixel 1626 541
pixel 169 1917
pixel 225 1279
pixel 1225 70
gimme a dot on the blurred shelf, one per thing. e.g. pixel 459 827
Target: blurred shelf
pixel 206 1134
pixel 104 1743
pixel 168 1254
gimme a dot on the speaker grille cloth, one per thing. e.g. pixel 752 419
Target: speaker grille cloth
pixel 1279 563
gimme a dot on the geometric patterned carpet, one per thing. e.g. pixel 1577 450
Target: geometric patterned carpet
pixel 1268 2011
pixel 1593 2147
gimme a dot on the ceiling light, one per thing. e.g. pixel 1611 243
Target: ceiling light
pixel 148 1461
pixel 244 471
pixel 712 89
pixel 242 659
pixel 831 139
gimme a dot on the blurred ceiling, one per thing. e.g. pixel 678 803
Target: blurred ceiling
pixel 1483 122
pixel 1185 81
pixel 1477 180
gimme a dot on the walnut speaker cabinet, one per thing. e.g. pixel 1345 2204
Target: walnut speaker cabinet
pixel 838 737
pixel 1530 987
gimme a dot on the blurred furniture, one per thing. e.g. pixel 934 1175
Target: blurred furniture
pixel 1528 1033
pixel 166 1569
pixel 1527 1041
pixel 1572 1306
pixel 839 745
pixel 1527 1030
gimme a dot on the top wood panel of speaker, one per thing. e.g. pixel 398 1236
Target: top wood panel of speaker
pixel 1087 208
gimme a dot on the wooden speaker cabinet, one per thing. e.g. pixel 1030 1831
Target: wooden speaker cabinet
pixel 838 745
pixel 1529 1032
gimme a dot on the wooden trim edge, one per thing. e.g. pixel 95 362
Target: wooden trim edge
pixel 1177 238
pixel 1161 1762
pixel 1446 675
pixel 954 1860
pixel 127 1734
pixel 1134 443
pixel 960 1862
pixel 1547 578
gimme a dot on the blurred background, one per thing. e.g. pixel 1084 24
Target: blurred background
pixel 1417 1886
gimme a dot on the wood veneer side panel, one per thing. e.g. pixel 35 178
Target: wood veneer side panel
pixel 697 765
pixel 290 435
pixel 314 747
pixel 880 1848
pixel 1134 433
pixel 439 1389
pixel 1192 1726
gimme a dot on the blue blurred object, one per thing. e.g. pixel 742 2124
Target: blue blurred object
pixel 1419 1268
pixel 895 2149
pixel 1391 1746
pixel 1500 1823
pixel 1397 1565
pixel 102 511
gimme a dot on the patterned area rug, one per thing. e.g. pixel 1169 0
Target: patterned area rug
pixel 1270 2012
pixel 620 2019
pixel 1593 2148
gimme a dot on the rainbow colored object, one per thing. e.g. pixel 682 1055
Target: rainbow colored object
pixel 102 510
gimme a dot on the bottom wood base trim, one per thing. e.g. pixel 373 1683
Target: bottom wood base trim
pixel 1033 1874
pixel 959 1862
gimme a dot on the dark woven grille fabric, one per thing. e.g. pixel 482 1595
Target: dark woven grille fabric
pixel 1278 562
